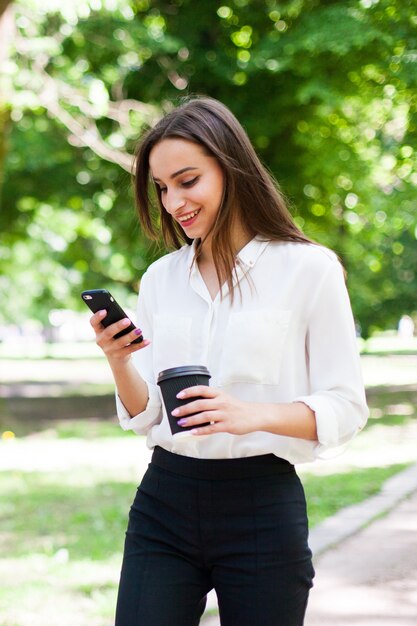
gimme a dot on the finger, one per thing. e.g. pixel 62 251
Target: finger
pixel 134 335
pixel 198 406
pixel 200 418
pixel 117 327
pixel 198 390
pixel 121 347
pixel 128 348
pixel 138 346
pixel 96 319
pixel 210 429
pixel 138 335
pixel 105 337
pixel 129 339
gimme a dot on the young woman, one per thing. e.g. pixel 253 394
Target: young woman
pixel 266 310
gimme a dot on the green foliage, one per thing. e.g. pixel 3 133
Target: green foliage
pixel 76 529
pixel 327 495
pixel 61 211
pixel 89 521
pixel 326 91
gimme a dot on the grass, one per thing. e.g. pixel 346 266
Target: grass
pixel 62 533
pixel 387 343
pixel 40 350
pixel 328 494
pixel 40 591
pixel 61 539
pixel 90 429
pixel 44 513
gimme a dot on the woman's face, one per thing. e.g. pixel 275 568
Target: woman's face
pixel 190 182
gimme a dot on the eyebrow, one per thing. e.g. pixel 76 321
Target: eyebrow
pixel 178 173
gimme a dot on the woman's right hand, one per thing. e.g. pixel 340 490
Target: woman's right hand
pixel 120 349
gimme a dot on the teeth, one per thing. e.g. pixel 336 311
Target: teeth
pixel 184 218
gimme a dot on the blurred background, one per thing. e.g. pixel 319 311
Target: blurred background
pixel 327 92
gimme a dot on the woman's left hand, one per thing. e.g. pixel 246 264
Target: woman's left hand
pixel 226 413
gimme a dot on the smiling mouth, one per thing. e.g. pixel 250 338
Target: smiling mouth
pixel 189 216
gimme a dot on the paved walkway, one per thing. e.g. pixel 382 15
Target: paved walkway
pixel 370 578
pixel 366 565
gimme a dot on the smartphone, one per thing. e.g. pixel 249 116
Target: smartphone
pixel 100 299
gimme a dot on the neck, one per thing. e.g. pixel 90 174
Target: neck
pixel 239 240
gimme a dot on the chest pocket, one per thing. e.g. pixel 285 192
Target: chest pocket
pixel 254 347
pixel 171 341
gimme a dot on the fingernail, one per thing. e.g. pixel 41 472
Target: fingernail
pixel 137 331
pixel 125 322
pixel 174 412
pixel 181 394
pixel 102 312
pixel 182 422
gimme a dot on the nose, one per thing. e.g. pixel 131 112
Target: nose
pixel 173 200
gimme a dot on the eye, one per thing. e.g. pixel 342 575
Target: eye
pixel 190 183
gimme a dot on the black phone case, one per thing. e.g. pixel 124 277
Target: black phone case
pixel 98 299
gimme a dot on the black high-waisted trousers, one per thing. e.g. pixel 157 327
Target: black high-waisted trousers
pixel 236 525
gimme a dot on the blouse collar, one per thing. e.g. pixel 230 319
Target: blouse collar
pixel 246 257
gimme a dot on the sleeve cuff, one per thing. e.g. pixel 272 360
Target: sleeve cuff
pixel 326 421
pixel 143 421
pixel 332 430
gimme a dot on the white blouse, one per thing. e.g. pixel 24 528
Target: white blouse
pixel 288 336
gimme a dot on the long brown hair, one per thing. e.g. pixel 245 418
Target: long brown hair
pixel 251 194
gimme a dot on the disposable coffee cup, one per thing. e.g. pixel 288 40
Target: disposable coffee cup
pixel 171 381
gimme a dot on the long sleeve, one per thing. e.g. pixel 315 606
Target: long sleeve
pixel 142 360
pixel 288 335
pixel 336 395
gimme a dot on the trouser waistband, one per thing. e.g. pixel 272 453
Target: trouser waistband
pixel 220 469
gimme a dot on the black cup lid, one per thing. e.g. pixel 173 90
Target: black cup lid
pixel 184 370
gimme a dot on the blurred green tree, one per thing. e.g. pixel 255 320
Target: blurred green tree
pixel 325 89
